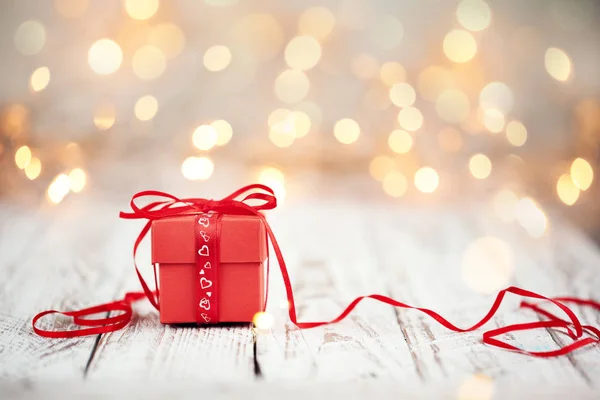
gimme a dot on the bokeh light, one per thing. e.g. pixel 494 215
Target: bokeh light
pixel 567 191
pixel 30 37
pixel 453 106
pixel 224 131
pixel 291 86
pixel 263 321
pixel 104 116
pixel 426 179
pixel 275 179
pixel 260 34
pixel 395 184
pixel 105 56
pixel 217 58
pixel 302 52
pixel 433 80
pixel 23 157
pixel 197 168
pixel 496 95
pixel 386 31
pixel 476 387
pixel 582 173
pixel 146 107
pixel 71 8
pixel 505 205
pixel 402 94
pixel 459 46
pixel 205 137
pixel 487 265
pixel 33 168
pixel 558 64
pixel 317 22
pixel 516 133
pixel 392 72
pixel 59 188
pixel 168 37
pixel 400 141
pixel 148 63
pixel 346 131
pixel 39 79
pixel 480 166
pixel 531 217
pixel 474 15
pixel 365 66
pixel 77 180
pixel 381 166
pixel 410 118
pixel 493 120
pixel 141 9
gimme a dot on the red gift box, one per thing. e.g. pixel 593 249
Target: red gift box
pixel 240 270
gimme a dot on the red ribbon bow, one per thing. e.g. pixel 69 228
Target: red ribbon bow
pixel 174 206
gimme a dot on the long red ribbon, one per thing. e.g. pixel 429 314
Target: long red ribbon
pixel 266 197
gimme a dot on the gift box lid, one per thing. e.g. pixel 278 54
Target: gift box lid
pixel 243 239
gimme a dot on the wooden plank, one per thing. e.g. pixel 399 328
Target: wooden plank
pixel 331 262
pixel 51 258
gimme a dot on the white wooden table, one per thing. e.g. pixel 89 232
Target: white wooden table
pixel 79 254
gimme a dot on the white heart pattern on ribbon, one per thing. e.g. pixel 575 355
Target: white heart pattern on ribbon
pixel 204 303
pixel 204 236
pixel 204 222
pixel 203 251
pixel 207 265
pixel 205 283
pixel 205 317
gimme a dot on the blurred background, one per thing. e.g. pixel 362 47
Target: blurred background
pixel 422 103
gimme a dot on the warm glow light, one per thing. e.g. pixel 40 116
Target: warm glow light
pixel 275 179
pixel 453 106
pixel 286 126
pixel 281 138
pixel 146 108
pixel 197 168
pixel 505 205
pixel 558 64
pixel 34 168
pixel 224 131
pixel 493 120
pixel 395 184
pixel 433 81
pixel 205 137
pixel 302 52
pixel 168 37
pixel 77 179
pixel 487 265
pixel 392 72
pixel 141 9
pixel 263 321
pixel 30 37
pixel 291 86
pixel 217 58
pixel 476 387
pixel 516 133
pixel 531 217
pixel 71 8
pixel 317 22
pixel 104 116
pixel 410 118
pixel 582 173
pixel 365 66
pixel 459 46
pixel 105 57
pixel 381 166
pixel 301 123
pixel 480 166
pixel 449 139
pixel 346 130
pixel 567 192
pixel 39 79
pixel 426 179
pixel 148 63
pixel 496 95
pixel 402 94
pixel 259 34
pixel 400 141
pixel 23 157
pixel 474 15
pixel 59 188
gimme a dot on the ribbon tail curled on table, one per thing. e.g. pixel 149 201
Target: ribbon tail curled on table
pixel 174 206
